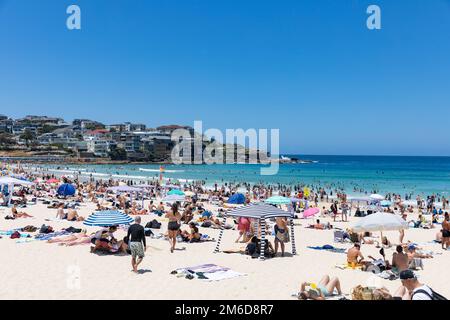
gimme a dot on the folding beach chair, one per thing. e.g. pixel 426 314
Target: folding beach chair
pixel 338 236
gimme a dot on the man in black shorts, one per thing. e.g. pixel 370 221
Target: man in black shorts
pixel 137 245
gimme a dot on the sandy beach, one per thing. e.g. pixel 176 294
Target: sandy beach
pixel 39 270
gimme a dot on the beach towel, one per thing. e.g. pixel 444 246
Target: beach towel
pixel 208 272
pixel 48 236
pixel 328 247
pixel 10 232
pixel 347 266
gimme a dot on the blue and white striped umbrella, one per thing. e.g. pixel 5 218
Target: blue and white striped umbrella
pixel 258 211
pixel 108 218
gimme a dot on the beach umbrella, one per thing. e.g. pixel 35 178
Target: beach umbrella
pixel 278 200
pixel 385 203
pixel 380 221
pixel 175 192
pixel 310 212
pixel 173 198
pixel 237 198
pixel 52 180
pixel 411 203
pixel 377 197
pixel 66 189
pixel 108 218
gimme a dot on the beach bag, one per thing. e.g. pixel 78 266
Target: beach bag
pixel 381 294
pixel 435 296
pixel 46 229
pixel 154 224
pixel 15 235
pixel 148 233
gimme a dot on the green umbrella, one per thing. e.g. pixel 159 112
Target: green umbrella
pixel 176 192
pixel 278 200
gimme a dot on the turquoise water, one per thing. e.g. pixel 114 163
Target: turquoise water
pixel 416 175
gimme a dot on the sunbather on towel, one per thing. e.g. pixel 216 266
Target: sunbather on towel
pixel 17 214
pixel 323 289
pixel 69 238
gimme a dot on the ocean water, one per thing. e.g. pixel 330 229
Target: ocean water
pixel 355 174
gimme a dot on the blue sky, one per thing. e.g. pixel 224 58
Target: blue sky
pixel 310 68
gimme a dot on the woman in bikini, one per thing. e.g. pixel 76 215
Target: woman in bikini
pixel 173 226
pixel 17 214
pixel 281 234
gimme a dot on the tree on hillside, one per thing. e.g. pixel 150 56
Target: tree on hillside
pixel 27 136
pixel 118 154
pixel 6 140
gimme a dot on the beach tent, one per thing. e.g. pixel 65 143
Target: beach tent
pixel 278 200
pixel 175 192
pixel 380 221
pixel 66 189
pixel 259 211
pixel 108 218
pixel 14 181
pixel 10 182
pixel 237 198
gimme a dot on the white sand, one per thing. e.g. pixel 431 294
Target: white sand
pixel 38 270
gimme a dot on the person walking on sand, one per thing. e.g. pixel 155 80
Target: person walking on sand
pixel 281 234
pixel 173 226
pixel 137 244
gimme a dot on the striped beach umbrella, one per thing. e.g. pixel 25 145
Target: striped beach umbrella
pixel 108 218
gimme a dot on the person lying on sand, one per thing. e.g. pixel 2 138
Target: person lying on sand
pixel 323 289
pixel 320 226
pixel 71 240
pixel 17 214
